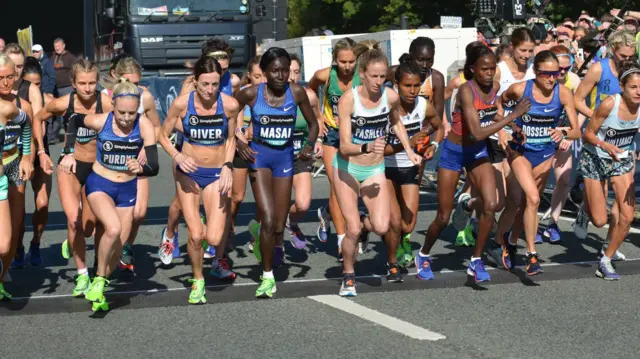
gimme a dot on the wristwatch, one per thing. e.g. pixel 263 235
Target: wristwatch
pixel 564 134
pixel 228 164
pixel 67 150
pixel 363 149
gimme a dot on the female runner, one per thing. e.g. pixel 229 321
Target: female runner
pixel 366 111
pixel 531 157
pixel 466 148
pixel 204 166
pixel 128 68
pixel 337 79
pixel 112 185
pixel 270 154
pixel 608 159
pixel 420 121
pixel 75 163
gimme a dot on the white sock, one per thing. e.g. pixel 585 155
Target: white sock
pixel 267 275
pixel 475 258
pixel 167 239
pixel 423 255
pixel 340 238
pixel 84 271
pixel 605 259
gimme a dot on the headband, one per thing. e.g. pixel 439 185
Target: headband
pixel 126 94
pixel 629 72
pixel 218 53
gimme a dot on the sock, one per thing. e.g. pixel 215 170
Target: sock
pixel 423 255
pixel 531 253
pixel 84 271
pixel 475 258
pixel 340 238
pixel 605 260
pixel 267 275
pixel 167 239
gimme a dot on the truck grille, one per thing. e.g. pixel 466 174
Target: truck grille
pixel 176 49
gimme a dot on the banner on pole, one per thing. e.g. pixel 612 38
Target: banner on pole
pixel 25 39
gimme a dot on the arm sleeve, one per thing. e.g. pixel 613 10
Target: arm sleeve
pixel 72 130
pixel 152 167
pixel 21 118
pixel 26 137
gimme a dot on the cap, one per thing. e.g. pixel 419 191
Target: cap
pixel 36 47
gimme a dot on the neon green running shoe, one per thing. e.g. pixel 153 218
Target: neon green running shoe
pixel 96 291
pixel 266 288
pixel 197 291
pixel 465 238
pixel 203 219
pixel 66 249
pixel 3 293
pixel 254 230
pixel 406 246
pixel 100 305
pixel 83 283
pixel 400 255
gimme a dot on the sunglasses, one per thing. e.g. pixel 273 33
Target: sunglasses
pixel 548 74
pixel 565 69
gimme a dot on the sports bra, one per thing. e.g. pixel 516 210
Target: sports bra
pixel 205 130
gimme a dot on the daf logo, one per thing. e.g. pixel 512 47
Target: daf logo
pixel 264 120
pixel 151 39
pixel 193 120
pixel 236 38
pixel 481 113
pixel 335 99
pixel 361 121
pixel 611 132
pixel 107 146
pixel 526 118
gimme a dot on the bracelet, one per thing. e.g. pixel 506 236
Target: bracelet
pixel 175 154
pixel 41 152
pixel 435 143
pixel 319 140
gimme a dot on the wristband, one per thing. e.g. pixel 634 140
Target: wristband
pixel 319 140
pixel 175 154
pixel 363 148
pixel 41 152
pixel 435 143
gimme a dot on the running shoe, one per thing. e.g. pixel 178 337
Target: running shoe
pixel 465 238
pixel 197 291
pixel 407 250
pixel 495 252
pixel 254 230
pixel 606 271
pixel 96 290
pixel 509 253
pixel 460 215
pixel 298 240
pixel 66 249
pixel 393 273
pixel 267 288
pixel 539 239
pixel 220 269
pixel 4 295
pixel 363 242
pixel 324 227
pixel 477 270
pixel 348 286
pixel 83 283
pixel 617 256
pixel 278 257
pixel 423 264
pixel 581 224
pixel 533 266
pixel 35 258
pixel 19 259
pixel 127 259
pixel 552 233
pixel 166 250
pixel 209 251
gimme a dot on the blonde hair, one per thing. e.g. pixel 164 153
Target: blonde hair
pixel 343 44
pixel 619 39
pixel 83 65
pixel 368 52
pixel 5 60
pixel 14 49
pixel 127 65
pixel 124 87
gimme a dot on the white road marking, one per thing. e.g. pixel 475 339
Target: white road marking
pixel 389 322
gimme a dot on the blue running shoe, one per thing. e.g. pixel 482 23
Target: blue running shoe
pixel 324 227
pixel 18 259
pixel 509 252
pixel 176 246
pixel 539 239
pixel 423 264
pixel 210 252
pixel 606 271
pixel 552 233
pixel 34 254
pixel 477 270
pixel 533 266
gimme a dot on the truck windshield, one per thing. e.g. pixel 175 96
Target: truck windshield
pixel 179 7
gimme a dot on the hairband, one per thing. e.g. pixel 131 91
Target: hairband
pixel 570 56
pixel 218 53
pixel 125 94
pixel 629 72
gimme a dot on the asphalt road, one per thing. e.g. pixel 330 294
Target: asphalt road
pixel 564 313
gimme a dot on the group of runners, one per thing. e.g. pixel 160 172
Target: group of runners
pixel 512 122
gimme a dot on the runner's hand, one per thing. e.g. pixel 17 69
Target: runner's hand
pixel 318 150
pixel 503 139
pixel 417 139
pixel 447 128
pixel 134 166
pixel 556 135
pixel 378 145
pixel 45 163
pixel 565 145
pixel 142 157
pixel 415 158
pixel 518 135
pixel 68 164
pixel 186 163
pixel 25 168
pixel 522 107
pixel 306 152
pixel 226 181
pixel 612 150
pixel 245 152
pixel 430 152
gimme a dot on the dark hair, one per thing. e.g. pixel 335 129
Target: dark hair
pixel 404 58
pixel 271 55
pixel 217 48
pixel 501 49
pixel 254 61
pixel 470 46
pixel 520 35
pixel 406 68
pixel 116 59
pixel 473 57
pixel 206 65
pixel 296 58
pixel 544 56
pixel 32 66
pixel 625 66
pixel 417 43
